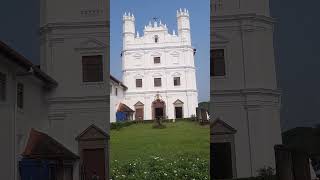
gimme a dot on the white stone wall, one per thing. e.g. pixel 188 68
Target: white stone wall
pixel 176 60
pixel 247 97
pixel 223 7
pixel 115 99
pixel 70 30
pixel 18 122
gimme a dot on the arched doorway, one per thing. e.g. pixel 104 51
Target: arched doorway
pixel 158 109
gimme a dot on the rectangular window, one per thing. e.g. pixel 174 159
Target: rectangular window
pixel 156 60
pixel 20 95
pixel 217 62
pixel 92 68
pixel 176 81
pixel 138 82
pixel 116 91
pixel 157 82
pixel 3 87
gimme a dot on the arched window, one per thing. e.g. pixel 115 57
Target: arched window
pixel 156 38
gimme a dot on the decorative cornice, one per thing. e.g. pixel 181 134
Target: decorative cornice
pixel 238 17
pixel 252 91
pixel 157 48
pixel 158 68
pixel 161 91
pixel 79 99
pixel 73 25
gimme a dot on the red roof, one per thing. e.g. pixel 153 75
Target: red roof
pixel 42 146
pixel 124 108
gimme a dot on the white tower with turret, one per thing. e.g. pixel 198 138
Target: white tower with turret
pixel 245 100
pixel 128 28
pixel 184 26
pixel 158 69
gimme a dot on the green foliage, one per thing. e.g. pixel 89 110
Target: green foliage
pixel 266 173
pixel 204 105
pixel 141 140
pixel 182 167
pixel 119 125
pixel 158 126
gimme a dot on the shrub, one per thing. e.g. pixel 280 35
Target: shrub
pixel 119 125
pixel 183 167
pixel 158 124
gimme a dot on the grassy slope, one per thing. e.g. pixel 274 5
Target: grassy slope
pixel 140 140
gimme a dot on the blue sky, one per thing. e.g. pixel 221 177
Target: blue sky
pixel 144 11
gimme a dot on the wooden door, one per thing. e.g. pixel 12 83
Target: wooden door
pixel 159 113
pixel 178 111
pixel 94 163
pixel 139 114
pixel 220 161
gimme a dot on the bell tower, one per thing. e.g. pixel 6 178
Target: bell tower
pixel 183 22
pixel 244 92
pixel 128 28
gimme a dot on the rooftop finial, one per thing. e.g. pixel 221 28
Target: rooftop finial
pixel 174 32
pixel 138 35
pixel 129 14
pixel 180 10
pixel 185 10
pixel 125 13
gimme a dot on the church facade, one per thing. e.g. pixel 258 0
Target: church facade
pixel 245 99
pixel 158 69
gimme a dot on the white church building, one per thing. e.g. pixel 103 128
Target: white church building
pixel 158 70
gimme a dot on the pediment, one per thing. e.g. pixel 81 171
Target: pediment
pixel 219 39
pixel 178 102
pixel 138 76
pixel 92 133
pixel 155 54
pixel 176 74
pixel 174 53
pixel 220 127
pixel 137 55
pixel 91 44
pixel 156 75
pixel 139 104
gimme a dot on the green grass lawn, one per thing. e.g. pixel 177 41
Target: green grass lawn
pixel 142 141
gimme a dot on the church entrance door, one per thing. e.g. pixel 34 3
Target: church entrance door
pixel 159 113
pixel 139 114
pixel 158 109
pixel 94 163
pixel 221 161
pixel 178 111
